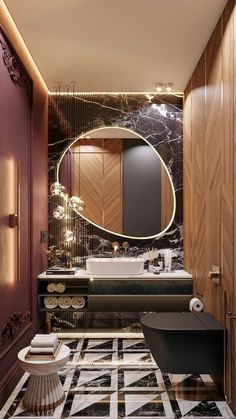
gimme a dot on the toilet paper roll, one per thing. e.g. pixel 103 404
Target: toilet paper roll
pixel 195 304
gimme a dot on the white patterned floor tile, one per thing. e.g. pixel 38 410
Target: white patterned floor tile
pixel 133 402
pixel 225 410
pixel 92 377
pixel 82 401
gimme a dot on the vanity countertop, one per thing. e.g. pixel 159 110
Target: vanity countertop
pixel 80 273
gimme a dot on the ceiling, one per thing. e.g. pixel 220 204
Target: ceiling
pixel 116 46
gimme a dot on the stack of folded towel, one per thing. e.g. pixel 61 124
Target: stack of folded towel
pixel 44 344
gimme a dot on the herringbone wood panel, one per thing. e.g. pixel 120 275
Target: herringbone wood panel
pixel 97 178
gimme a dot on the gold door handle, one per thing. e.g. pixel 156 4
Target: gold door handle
pixel 215 274
pixel 231 316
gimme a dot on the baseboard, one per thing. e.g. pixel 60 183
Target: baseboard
pixel 219 382
pixel 9 381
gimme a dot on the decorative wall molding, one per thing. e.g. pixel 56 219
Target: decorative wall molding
pixel 10 329
pixel 11 63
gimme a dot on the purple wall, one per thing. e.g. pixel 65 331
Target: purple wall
pixel 23 171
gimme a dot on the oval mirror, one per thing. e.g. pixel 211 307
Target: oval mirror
pixel 124 183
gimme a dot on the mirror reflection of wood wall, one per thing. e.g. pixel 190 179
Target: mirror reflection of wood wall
pixel 96 177
pixel 167 201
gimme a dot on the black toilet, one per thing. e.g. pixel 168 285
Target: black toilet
pixel 185 343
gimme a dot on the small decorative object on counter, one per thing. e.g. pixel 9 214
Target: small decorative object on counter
pixel 55 255
pixel 151 267
pixel 68 263
pixel 163 262
pixel 168 260
pixel 146 265
pixel 160 262
pixel 60 271
pixel 116 247
pixel 125 245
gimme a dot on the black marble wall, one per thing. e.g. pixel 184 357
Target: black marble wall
pixel 157 118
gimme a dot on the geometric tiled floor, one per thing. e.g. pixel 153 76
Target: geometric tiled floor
pixel 118 378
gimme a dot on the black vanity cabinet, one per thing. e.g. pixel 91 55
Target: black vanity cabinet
pixel 138 294
pixel 147 292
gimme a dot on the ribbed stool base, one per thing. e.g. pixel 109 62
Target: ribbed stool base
pixel 43 394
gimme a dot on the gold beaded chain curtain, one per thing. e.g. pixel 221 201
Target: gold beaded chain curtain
pixel 68 231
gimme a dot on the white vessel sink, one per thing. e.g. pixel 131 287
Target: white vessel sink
pixel 115 266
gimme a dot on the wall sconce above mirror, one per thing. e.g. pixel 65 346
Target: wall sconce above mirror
pixel 122 180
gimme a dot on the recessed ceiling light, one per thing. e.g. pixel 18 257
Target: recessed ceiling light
pixel 159 87
pixel 168 87
pixel 164 87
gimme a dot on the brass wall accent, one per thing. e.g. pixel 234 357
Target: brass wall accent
pixel 13 220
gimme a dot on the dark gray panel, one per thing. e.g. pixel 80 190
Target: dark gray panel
pixel 140 287
pixel 138 303
pixel 141 189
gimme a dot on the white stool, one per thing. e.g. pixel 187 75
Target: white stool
pixel 44 391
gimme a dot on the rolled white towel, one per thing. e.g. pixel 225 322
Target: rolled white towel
pixel 50 302
pixel 42 351
pixel 64 302
pixel 52 287
pixel 60 287
pixel 78 302
pixel 35 343
pixel 45 335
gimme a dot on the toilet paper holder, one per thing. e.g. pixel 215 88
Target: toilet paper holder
pixel 215 274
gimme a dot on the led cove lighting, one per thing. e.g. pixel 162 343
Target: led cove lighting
pixel 155 93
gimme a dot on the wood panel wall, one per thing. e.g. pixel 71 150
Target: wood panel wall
pixel 97 179
pixel 167 199
pixel 209 182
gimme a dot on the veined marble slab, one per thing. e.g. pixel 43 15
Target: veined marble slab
pixel 177 274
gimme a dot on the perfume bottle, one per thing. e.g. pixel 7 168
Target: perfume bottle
pixel 160 262
pixel 68 263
